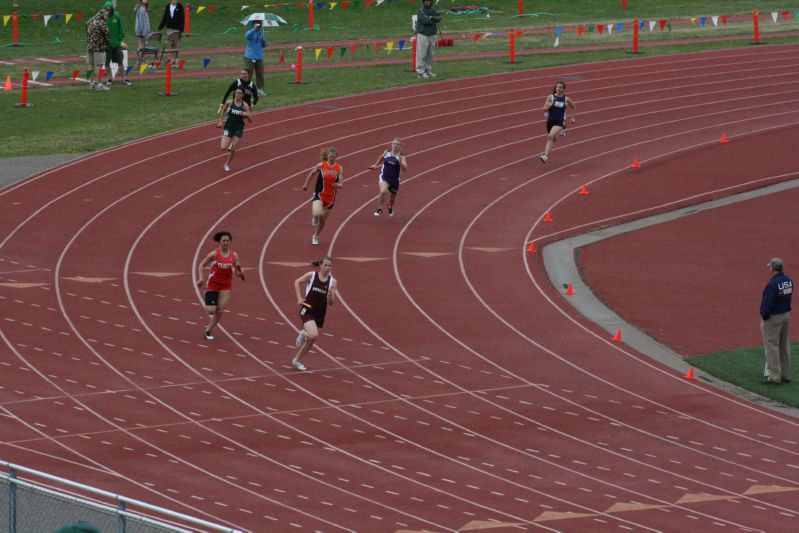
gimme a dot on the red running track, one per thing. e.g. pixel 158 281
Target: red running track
pixel 453 388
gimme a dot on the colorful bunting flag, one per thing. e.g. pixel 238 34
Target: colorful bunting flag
pixel 330 53
pixel 662 24
pixel 47 19
pixel 557 42
pixel 48 75
pixel 724 20
pixel 34 75
pixel 333 4
pixel 599 28
pixel 390 46
pixel 580 30
pixel 702 21
pixel 774 16
pixel 715 19
pixel 67 18
pixel 402 44
pixel 181 64
pixel 353 48
pixel 206 61
pixel 6 18
pixel 75 74
pixel 142 68
pixel 200 9
pixel 652 24
pixel 342 51
pixel 619 26
pixel 211 9
pixel 79 17
pixel 317 52
pixel 610 28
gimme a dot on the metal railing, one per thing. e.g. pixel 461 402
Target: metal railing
pixel 33 506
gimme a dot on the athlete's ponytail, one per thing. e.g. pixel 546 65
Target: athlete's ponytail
pixel 318 262
pixel 323 154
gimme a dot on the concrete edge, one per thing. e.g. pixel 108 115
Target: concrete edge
pixel 561 267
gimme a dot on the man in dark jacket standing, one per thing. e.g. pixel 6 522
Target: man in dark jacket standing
pixel 775 314
pixel 174 20
pixel 426 29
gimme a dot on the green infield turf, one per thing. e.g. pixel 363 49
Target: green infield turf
pixel 744 368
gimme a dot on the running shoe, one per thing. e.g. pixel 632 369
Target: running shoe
pixel 207 335
pixel 543 158
pixel 261 92
pixel 315 240
pixel 127 83
pixel 314 221
pixel 227 167
pixel 300 339
pixel 110 83
pixel 299 366
pixel 378 212
pixel 391 211
pixel 431 74
pixel 562 133
pixel 101 87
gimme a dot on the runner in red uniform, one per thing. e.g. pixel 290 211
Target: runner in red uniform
pixel 329 180
pixel 224 262
pixel 320 291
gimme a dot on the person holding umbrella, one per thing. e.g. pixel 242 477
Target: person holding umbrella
pixel 254 52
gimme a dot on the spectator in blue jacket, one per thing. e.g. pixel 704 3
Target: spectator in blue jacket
pixel 254 54
pixel 775 315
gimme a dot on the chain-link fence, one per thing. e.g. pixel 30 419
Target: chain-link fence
pixel 28 506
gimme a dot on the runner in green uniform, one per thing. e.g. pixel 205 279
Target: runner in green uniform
pixel 236 110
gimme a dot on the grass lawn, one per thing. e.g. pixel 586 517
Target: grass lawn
pixel 744 368
pixel 67 118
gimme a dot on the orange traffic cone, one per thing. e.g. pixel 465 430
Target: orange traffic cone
pixel 724 139
pixel 636 164
pixel 7 86
pixel 569 290
pixel 690 374
pixel 617 336
pixel 548 217
pixel 583 190
pixel 531 248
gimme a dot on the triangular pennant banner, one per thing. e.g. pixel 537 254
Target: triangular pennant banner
pixel 662 24
pixel 200 9
pixel 557 42
pixel 34 75
pixel 610 28
pixel 652 24
pixel 181 64
pixel 142 68
pixel 724 19
pixel 330 52
pixel 390 46
pixel 282 58
pixel 774 16
pixel 114 70
pixel 48 75
pixel 333 4
pixel 6 18
pixel 47 19
pixel 67 18
pixel 318 51
pixel 599 28
pixel 580 30
pixel 342 51
pixel 702 21
pixel 715 19
pixel 75 74
pixel 619 26
pixel 353 48
pixel 206 61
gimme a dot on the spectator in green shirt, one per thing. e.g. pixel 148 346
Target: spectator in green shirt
pixel 115 53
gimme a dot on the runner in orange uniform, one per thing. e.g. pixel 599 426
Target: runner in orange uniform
pixel 329 180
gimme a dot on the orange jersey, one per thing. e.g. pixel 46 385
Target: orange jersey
pixel 328 175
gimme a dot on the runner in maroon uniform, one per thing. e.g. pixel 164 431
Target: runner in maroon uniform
pixel 224 261
pixel 320 291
